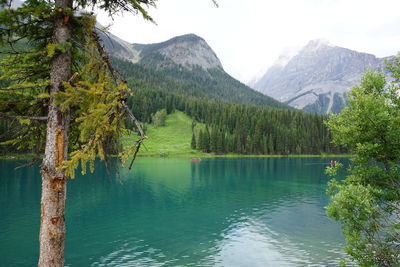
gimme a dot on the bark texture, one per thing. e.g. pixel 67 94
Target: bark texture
pixel 52 221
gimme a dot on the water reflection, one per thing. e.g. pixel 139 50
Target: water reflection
pixel 174 212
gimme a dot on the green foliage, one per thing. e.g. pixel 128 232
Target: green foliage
pixel 92 97
pixel 159 118
pixel 96 100
pixel 367 203
pixel 52 49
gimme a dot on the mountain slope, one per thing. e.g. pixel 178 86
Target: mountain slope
pixel 317 78
pixel 119 48
pixel 184 64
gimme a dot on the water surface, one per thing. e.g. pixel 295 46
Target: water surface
pixel 174 212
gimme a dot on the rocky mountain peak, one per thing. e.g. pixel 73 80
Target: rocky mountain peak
pixel 187 50
pixel 317 78
pixel 317 44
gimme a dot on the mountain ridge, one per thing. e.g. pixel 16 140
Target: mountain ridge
pixel 317 78
pixel 185 64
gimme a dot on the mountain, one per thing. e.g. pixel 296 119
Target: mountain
pixel 187 50
pixel 184 64
pixel 317 78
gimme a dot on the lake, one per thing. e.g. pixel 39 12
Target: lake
pixel 174 212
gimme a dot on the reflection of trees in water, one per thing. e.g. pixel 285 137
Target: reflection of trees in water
pixel 185 208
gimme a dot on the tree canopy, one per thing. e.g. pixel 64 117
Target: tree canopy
pixel 367 202
pixel 94 93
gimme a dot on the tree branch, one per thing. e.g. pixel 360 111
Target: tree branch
pixel 33 162
pixel 4 115
pixel 19 88
pixel 118 77
pixel 115 74
pixel 16 53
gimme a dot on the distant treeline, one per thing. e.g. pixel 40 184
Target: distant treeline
pixel 239 128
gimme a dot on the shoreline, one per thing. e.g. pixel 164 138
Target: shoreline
pixel 196 155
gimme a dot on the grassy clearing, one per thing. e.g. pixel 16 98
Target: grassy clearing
pixel 172 139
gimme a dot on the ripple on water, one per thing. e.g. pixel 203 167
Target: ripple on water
pixel 251 241
pixel 134 253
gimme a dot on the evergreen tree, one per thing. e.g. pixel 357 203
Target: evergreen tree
pixel 271 146
pixel 200 142
pixel 221 143
pixel 62 86
pixel 206 141
pixel 193 142
pixel 213 140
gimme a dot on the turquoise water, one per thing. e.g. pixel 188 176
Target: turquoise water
pixel 174 212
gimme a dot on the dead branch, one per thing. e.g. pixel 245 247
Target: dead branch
pixel 140 129
pixel 115 74
pixel 33 162
pixel 134 120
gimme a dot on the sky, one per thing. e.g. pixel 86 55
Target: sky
pixel 249 35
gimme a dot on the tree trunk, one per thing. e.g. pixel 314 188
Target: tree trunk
pixel 52 221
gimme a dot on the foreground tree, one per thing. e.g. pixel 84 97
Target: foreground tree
pixel 69 101
pixel 367 202
pixel 61 87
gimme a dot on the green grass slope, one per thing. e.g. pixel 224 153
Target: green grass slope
pixel 172 139
pixel 175 137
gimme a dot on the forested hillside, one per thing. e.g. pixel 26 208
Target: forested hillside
pixel 239 128
pixel 197 82
pixel 185 74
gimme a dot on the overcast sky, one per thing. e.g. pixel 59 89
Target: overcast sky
pixel 249 35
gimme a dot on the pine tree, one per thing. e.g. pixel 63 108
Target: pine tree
pixel 200 141
pixel 271 146
pixel 213 140
pixel 193 142
pixel 206 141
pixel 221 143
pixel 62 86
